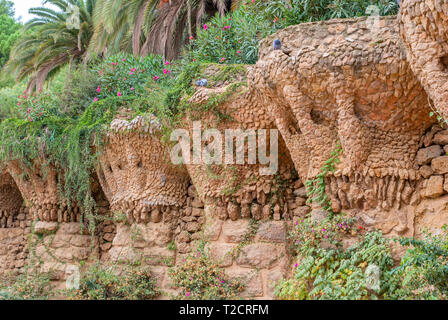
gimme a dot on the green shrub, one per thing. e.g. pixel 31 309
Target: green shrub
pixel 232 38
pixel 200 278
pixel 9 99
pixel 30 285
pixel 298 11
pixel 105 283
pixel 423 271
pixel 37 106
pixel 126 75
pixel 77 91
pixel 325 270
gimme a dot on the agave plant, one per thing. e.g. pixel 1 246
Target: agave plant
pixel 149 26
pixel 54 38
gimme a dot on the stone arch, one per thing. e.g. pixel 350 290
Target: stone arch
pixel 12 211
pixel 106 228
pixel 14 226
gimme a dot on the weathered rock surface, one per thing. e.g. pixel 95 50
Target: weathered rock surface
pixel 333 83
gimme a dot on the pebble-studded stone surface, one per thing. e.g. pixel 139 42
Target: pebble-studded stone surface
pixel 239 190
pixel 424 30
pixel 332 82
pixel 339 82
pixel 136 173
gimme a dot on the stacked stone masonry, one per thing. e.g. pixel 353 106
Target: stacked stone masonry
pixel 339 82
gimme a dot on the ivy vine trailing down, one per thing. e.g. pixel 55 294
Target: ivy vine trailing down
pixel 149 85
pixel 316 187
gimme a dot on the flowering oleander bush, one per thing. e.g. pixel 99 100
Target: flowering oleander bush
pixel 8 97
pixel 105 283
pixel 200 278
pixel 36 106
pixel 126 75
pixel 232 38
pixel 327 270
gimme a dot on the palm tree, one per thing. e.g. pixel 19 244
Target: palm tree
pixel 55 38
pixel 149 26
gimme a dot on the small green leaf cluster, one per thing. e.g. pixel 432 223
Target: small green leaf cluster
pixel 101 282
pixel 200 278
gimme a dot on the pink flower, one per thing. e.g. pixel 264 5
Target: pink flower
pixel 98 89
pixel 155 78
pixel 165 71
pixel 131 73
pixel 119 93
pixel 188 294
pixel 167 63
pixel 95 99
pixel 205 27
pixel 132 89
pixel 123 59
pixel 191 38
pixel 18 104
pixel 223 59
pixel 296 265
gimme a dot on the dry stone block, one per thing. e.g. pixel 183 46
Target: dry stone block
pixel 272 231
pixel 259 255
pixel 302 211
pixel 159 256
pixel 441 138
pixel 318 215
pixel 81 253
pixel 426 171
pixel 123 254
pixel 301 192
pixel 193 227
pixel 440 165
pixel 433 187
pixel 71 228
pixel 212 229
pixel 42 227
pixel 222 253
pixel 425 155
pixel 61 240
pixel 123 235
pixel 80 241
pixel 445 185
pixel 234 231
